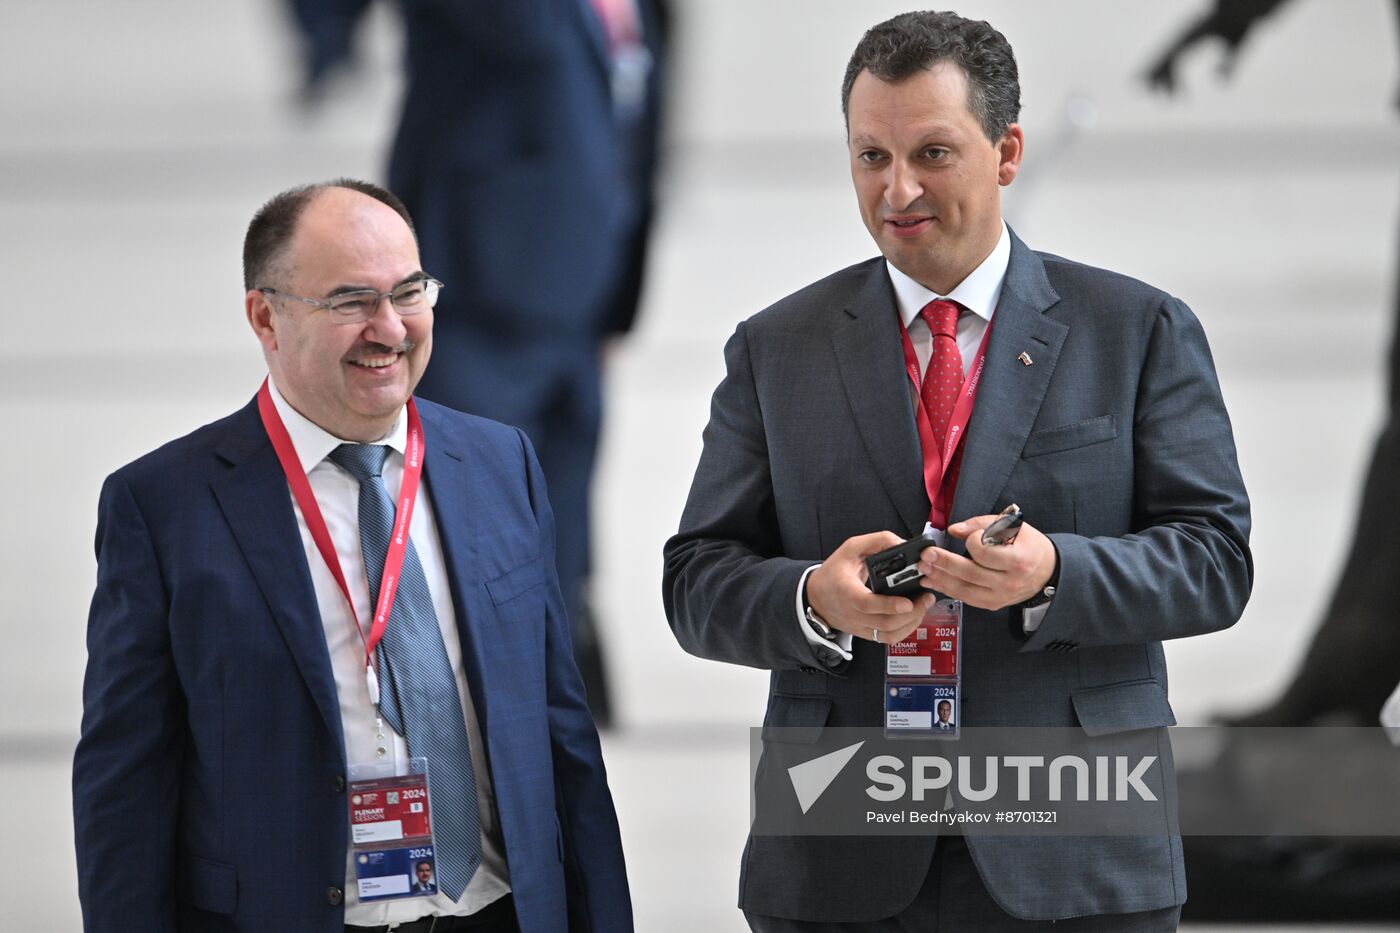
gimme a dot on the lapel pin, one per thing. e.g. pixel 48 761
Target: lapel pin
pixel 1025 358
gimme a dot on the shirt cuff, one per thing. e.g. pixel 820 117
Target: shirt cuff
pixel 841 645
pixel 1031 618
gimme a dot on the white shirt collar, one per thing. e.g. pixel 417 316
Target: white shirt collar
pixel 314 443
pixel 978 293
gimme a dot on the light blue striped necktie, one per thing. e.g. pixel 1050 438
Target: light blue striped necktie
pixel 418 691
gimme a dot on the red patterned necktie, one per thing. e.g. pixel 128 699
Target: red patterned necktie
pixel 944 377
pixel 940 390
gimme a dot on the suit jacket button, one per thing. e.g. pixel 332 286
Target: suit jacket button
pixel 334 896
pixel 339 783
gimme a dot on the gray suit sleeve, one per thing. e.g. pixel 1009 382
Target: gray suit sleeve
pixel 727 589
pixel 1185 569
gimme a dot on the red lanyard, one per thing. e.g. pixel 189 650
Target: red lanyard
pixel 316 523
pixel 936 462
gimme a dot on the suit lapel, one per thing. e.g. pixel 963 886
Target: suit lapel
pixel 871 363
pixel 445 473
pixel 257 505
pixel 1011 392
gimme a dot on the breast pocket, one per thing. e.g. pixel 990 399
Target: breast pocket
pixel 516 617
pixel 1075 477
pixel 1070 436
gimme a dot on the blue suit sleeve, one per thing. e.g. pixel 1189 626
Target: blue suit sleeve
pixel 125 770
pixel 595 873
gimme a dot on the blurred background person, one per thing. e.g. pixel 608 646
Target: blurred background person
pixel 527 152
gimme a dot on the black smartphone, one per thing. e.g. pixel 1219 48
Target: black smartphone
pixel 1005 528
pixel 895 571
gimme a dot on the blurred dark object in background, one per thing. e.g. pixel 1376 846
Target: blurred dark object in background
pixel 527 153
pixel 1318 807
pixel 1353 663
pixel 1350 668
pixel 1290 879
pixel 1229 21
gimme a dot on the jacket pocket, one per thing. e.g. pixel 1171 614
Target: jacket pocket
pixel 515 582
pixel 1122 707
pixel 795 720
pixel 1070 436
pixel 207 885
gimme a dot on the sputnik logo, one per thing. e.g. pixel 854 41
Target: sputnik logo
pixel 811 778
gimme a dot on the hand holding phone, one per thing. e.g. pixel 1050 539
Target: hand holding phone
pixel 895 571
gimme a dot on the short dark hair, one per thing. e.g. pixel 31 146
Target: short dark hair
pixel 912 42
pixel 271 228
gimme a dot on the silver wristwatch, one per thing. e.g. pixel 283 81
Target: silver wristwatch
pixel 1040 599
pixel 820 627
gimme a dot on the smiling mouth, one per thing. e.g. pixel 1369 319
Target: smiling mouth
pixel 376 362
pixel 378 355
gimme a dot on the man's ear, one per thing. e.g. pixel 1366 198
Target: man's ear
pixel 1011 146
pixel 261 318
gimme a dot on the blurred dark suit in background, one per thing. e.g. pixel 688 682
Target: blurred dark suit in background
pixel 1351 665
pixel 527 152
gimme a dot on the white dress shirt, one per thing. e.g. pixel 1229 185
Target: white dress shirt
pixel 979 294
pixel 338 496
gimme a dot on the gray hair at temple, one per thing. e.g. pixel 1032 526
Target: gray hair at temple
pixel 912 42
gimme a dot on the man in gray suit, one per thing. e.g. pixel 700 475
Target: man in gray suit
pixel 1097 411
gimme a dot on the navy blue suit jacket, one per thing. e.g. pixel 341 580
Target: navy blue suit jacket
pixel 209 782
pixel 531 200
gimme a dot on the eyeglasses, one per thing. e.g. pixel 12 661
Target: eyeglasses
pixel 356 307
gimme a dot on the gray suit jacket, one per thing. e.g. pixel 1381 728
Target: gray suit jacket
pixel 1115 442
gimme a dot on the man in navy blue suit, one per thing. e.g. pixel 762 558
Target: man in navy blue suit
pixel 237 684
pixel 526 151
